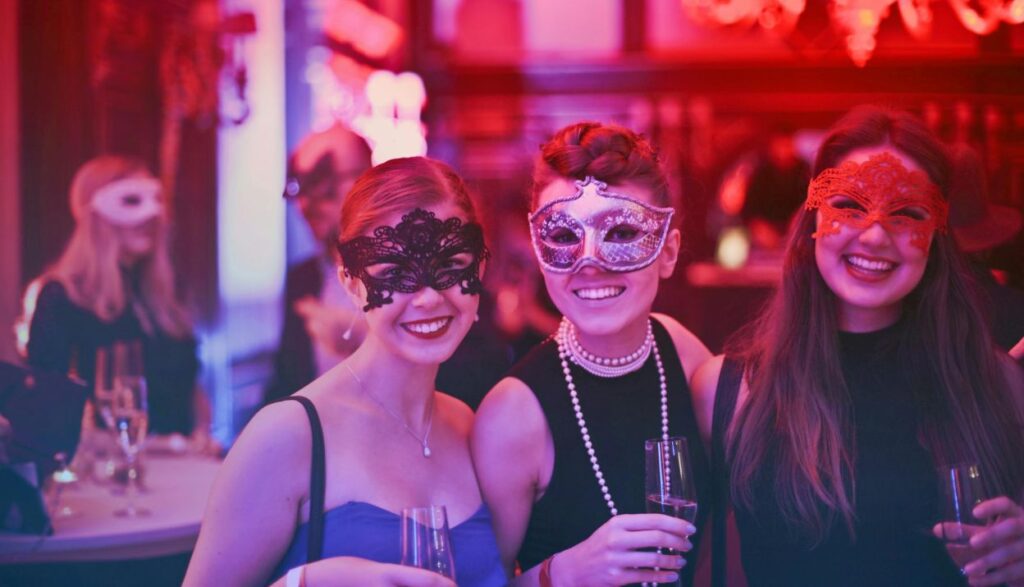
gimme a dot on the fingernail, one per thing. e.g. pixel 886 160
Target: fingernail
pixel 679 562
pixel 672 577
pixel 691 528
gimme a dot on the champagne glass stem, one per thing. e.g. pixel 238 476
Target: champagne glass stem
pixel 130 488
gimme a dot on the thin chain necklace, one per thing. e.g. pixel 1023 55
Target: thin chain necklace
pixel 562 338
pixel 430 414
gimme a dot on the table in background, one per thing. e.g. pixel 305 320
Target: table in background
pixel 94 547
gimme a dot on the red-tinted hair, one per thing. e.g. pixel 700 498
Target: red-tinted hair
pixel 398 186
pixel 795 430
pixel 610 153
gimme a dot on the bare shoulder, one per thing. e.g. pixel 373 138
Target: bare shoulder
pixel 510 401
pixel 276 441
pixel 455 411
pixel 692 352
pixel 1014 375
pixel 510 422
pixel 703 386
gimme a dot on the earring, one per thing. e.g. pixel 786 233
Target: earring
pixel 347 335
pixel 476 318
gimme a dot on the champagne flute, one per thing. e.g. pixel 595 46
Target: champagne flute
pixel 61 478
pixel 668 485
pixel 426 542
pixel 103 389
pixel 961 488
pixel 130 413
pixel 104 453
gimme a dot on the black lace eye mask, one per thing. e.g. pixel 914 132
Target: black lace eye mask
pixel 421 251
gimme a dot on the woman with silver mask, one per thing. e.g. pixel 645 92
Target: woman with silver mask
pixel 558 444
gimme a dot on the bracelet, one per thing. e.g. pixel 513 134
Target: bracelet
pixel 296 577
pixel 545 572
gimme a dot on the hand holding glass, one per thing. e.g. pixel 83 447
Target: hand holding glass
pixel 426 542
pixel 961 489
pixel 669 484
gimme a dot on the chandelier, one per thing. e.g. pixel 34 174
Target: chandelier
pixel 857 19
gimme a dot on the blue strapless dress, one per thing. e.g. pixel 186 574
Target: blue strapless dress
pixel 364 530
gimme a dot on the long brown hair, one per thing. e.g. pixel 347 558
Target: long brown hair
pixel 608 152
pixel 795 430
pixel 89 268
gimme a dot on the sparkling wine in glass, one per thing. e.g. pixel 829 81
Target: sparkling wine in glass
pixel 961 488
pixel 669 486
pixel 130 415
pixel 62 478
pixel 103 388
pixel 669 480
pixel 426 542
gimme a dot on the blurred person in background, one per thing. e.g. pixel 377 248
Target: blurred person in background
pixel 523 311
pixel 322 325
pixel 383 438
pixel 979 226
pixel 775 190
pixel 114 282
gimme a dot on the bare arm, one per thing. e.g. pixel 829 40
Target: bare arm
pixel 513 454
pixel 1014 374
pixel 692 352
pixel 704 385
pixel 509 441
pixel 255 503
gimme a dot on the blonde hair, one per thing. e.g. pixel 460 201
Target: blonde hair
pixel 89 267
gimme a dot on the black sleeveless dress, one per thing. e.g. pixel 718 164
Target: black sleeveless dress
pixel 64 334
pixel 621 413
pixel 896 494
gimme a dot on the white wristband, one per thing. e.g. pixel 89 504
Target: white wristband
pixel 295 577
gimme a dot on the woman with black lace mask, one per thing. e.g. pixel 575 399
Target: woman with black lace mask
pixel 412 257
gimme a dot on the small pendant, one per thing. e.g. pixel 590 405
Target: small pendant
pixel 426 451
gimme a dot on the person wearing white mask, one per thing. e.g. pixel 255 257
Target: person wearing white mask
pixel 114 283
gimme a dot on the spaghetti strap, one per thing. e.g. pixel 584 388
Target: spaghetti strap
pixel 317 482
pixel 726 395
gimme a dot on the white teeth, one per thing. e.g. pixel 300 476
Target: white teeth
pixel 868 265
pixel 427 327
pixel 599 293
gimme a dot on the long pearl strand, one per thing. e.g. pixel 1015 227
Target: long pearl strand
pixel 563 338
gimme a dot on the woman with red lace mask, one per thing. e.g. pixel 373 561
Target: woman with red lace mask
pixel 871 370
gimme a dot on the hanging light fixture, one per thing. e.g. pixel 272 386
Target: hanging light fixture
pixel 857 19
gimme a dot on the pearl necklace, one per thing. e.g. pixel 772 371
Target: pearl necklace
pixel 605 366
pixel 564 353
pixel 430 414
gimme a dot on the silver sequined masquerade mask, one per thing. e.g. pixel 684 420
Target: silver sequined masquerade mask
pixel 421 251
pixel 596 227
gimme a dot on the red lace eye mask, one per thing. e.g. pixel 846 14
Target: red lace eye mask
pixel 879 190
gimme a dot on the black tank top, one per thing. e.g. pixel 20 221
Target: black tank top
pixel 896 494
pixel 621 413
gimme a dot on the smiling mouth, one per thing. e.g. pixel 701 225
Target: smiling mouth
pixel 875 267
pixel 430 328
pixel 599 293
